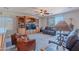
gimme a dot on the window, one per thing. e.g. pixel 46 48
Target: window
pixel 51 22
pixel 58 18
pixel 54 20
pixel 6 22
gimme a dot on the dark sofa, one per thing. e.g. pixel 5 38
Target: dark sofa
pixel 71 43
pixel 49 31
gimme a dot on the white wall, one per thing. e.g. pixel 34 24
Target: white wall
pixel 75 18
pixel 74 15
pixel 42 21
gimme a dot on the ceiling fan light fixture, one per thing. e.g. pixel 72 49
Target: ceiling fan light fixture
pixel 43 12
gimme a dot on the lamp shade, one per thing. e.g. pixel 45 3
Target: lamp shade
pixel 63 26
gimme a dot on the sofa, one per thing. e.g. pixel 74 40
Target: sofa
pixel 71 43
pixel 49 31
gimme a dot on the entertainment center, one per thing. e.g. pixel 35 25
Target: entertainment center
pixel 27 25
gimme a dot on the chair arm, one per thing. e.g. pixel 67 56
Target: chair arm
pixel 76 46
pixel 58 44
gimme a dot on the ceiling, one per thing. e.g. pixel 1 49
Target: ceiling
pixel 31 10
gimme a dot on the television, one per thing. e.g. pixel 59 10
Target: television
pixel 30 26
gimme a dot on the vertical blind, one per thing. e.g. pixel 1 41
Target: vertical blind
pixel 55 19
pixel 6 22
pixel 58 18
pixel 51 22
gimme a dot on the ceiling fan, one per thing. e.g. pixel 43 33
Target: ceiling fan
pixel 43 12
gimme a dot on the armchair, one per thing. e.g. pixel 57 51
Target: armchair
pixel 25 45
pixel 13 39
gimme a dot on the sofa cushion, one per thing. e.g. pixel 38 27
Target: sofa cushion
pixel 47 28
pixel 72 39
pixel 25 45
pixel 76 46
pixel 50 28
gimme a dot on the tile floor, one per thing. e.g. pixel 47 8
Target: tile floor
pixel 42 41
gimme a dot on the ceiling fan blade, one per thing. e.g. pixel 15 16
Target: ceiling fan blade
pixel 46 13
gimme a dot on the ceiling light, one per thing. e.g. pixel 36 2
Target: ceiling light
pixel 42 12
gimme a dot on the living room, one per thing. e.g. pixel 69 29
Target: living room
pixel 39 28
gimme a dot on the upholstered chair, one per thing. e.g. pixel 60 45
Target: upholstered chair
pixel 15 36
pixel 25 45
pixel 13 39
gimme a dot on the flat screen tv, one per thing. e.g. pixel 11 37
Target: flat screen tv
pixel 30 26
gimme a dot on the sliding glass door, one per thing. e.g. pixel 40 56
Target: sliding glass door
pixel 54 20
pixel 6 22
pixel 7 27
pixel 51 22
pixel 58 18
